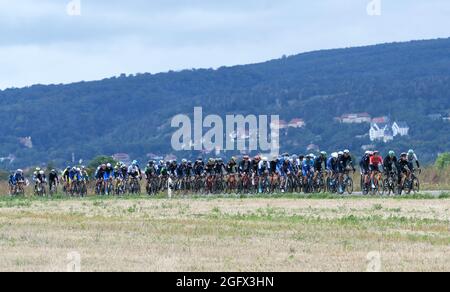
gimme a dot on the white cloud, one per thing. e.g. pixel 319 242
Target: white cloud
pixel 41 44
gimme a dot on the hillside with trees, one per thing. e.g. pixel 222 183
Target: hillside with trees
pixel 407 82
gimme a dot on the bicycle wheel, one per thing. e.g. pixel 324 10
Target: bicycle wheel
pixel 349 186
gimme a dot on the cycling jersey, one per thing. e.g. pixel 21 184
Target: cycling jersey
pixel 220 169
pixel 284 168
pixel 307 167
pixel 375 163
pixel 108 173
pixel 411 159
pixel 318 163
pixel 134 171
pixel 263 167
pixel 364 164
pixel 245 166
pixel 231 167
pixel 389 163
pixel 332 164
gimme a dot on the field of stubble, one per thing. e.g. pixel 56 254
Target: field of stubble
pixel 225 234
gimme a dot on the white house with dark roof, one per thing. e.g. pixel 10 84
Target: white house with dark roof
pixel 400 128
pixel 387 131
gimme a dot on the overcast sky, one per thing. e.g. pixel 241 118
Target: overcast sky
pixel 41 43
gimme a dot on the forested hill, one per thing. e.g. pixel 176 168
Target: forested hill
pixel 131 114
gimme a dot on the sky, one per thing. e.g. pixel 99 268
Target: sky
pixel 44 42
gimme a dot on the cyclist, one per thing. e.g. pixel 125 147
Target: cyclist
pixel 150 170
pixel 53 178
pixel 403 168
pixel 210 166
pixel 232 166
pixel 220 168
pixel 389 163
pixel 16 178
pixel 307 168
pixel 364 166
pixel 134 170
pixel 284 170
pixel 333 164
pixel 375 164
pixel 273 165
pixel 411 158
pixel 199 167
pixel 320 163
pixel 39 177
pixel 172 168
pixel 245 165
pixel 263 167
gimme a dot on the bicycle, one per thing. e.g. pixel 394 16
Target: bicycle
pixel 347 183
pixel 390 183
pixel 376 183
pixel 135 186
pixel 40 189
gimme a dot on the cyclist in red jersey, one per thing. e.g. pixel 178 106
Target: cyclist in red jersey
pixel 375 162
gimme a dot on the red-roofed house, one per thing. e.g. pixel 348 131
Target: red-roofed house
pixel 281 124
pixel 381 120
pixel 297 123
pixel 354 118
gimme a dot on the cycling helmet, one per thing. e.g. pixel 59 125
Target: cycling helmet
pixel 411 152
pixel 134 162
pixel 78 169
pixel 295 157
pixel 265 159
pixel 323 153
pixel 108 165
pixel 246 157
pixel 376 153
pixel 38 169
pixel 20 171
pixel 391 153
pixel 184 161
pixel 346 151
pixel 335 155
pixel 340 153
pixel 404 154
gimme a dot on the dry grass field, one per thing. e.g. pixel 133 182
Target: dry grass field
pixel 225 234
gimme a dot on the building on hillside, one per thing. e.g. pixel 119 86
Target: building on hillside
pixel 387 131
pixel 368 147
pixel 435 117
pixel 400 128
pixel 279 125
pixel 359 118
pixel 122 157
pixel 26 142
pixel 313 148
pixel 381 120
pixel 297 123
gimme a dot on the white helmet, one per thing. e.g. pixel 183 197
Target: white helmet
pixel 265 159
pixel 341 153
pixel 41 172
pixel 335 155
pixel 108 165
pixel 20 171
pixel 346 151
